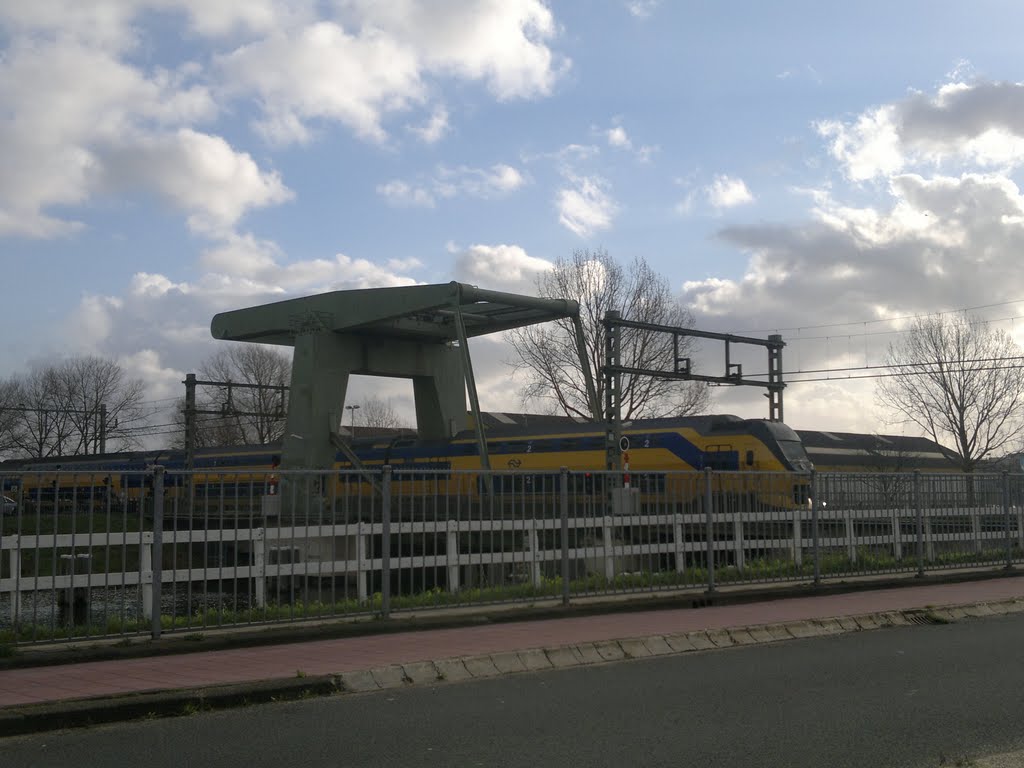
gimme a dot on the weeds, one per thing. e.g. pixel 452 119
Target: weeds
pixel 752 571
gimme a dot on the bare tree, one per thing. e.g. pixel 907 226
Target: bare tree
pixel 40 427
pixel 889 466
pixel 103 406
pixel 71 408
pixel 249 415
pixel 378 414
pixel 10 417
pixel 547 353
pixel 953 380
pixel 211 429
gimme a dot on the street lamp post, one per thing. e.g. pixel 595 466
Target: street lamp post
pixel 353 409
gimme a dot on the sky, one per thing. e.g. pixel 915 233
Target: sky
pixel 823 171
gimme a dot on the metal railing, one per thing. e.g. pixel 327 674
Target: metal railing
pixel 105 555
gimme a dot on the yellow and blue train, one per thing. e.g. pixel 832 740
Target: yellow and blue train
pixel 522 449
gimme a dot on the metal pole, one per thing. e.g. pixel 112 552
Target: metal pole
pixel 775 383
pixel 710 529
pixel 919 522
pixel 190 421
pixel 103 427
pixel 385 544
pixel 563 511
pixel 612 395
pixel 158 545
pixel 815 506
pixel 1006 517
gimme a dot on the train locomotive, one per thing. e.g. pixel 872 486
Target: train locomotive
pixel 664 456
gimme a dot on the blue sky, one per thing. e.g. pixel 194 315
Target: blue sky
pixel 785 166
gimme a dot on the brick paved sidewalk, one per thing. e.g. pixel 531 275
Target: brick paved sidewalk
pixel 70 682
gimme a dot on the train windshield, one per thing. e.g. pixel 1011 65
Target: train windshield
pixel 790 445
pixel 794 452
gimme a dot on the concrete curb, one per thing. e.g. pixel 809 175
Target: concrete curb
pixel 94 711
pixel 218 638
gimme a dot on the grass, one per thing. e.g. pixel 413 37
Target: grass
pixel 753 571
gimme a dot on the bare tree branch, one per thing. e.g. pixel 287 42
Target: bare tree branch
pixel 248 416
pixel 547 353
pixel 948 386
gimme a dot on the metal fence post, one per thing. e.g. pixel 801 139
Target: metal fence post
pixel 563 511
pixel 156 560
pixel 385 544
pixel 15 561
pixel 919 523
pixel 1006 517
pixel 815 545
pixel 710 528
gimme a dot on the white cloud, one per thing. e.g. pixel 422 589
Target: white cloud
pixel 110 22
pixel 478 182
pixel 500 267
pixel 726 192
pixel 435 128
pixel 485 183
pixel 68 106
pixel 83 110
pixel 642 9
pixel 376 58
pixel 198 173
pixel 398 192
pixel 160 382
pixel 501 42
pixel 240 255
pixel 170 318
pixel 322 71
pixel 867 148
pixel 585 207
pixel 93 320
pixel 981 123
pixel 954 240
pixel 617 137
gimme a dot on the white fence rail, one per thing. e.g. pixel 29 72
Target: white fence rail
pixel 330 547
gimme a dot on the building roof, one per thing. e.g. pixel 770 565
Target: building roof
pixel 872 452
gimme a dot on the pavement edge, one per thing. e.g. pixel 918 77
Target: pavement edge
pixel 95 711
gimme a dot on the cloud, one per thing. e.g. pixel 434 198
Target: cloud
pixel 68 109
pixel 500 267
pixel 642 9
pixel 86 115
pixel 322 71
pixel 726 192
pixel 435 128
pixel 198 173
pixel 617 137
pixel 478 182
pixel 240 254
pixel 503 44
pixel 586 206
pixel 160 381
pixel 401 193
pixel 110 23
pixel 484 183
pixel 980 123
pixel 939 243
pixel 171 317
pixel 376 58
pixel 939 228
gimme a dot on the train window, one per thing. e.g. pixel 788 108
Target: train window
pixel 750 458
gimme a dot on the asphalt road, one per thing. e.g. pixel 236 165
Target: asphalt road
pixel 913 696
